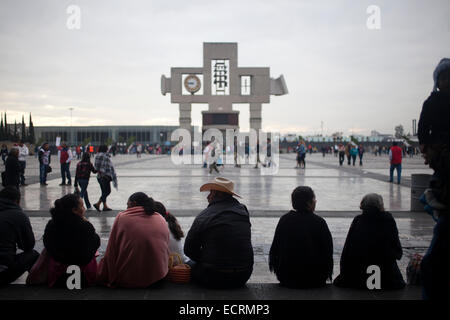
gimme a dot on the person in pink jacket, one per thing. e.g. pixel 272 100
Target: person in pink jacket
pixel 137 254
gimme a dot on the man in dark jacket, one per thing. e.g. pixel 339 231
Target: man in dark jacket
pixel 219 241
pixel 13 168
pixel 301 254
pixel 15 232
pixel 44 163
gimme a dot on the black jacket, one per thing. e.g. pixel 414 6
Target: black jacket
pixel 301 254
pixel 435 264
pixel 433 126
pixel 372 240
pixel 71 240
pixel 220 236
pixel 12 169
pixel 15 231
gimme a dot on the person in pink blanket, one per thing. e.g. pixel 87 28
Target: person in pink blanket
pixel 137 254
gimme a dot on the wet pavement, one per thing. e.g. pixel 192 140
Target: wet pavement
pixel 338 192
pixel 337 188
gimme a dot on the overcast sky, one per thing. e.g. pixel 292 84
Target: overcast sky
pixel 337 70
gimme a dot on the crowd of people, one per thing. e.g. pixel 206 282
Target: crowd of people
pixel 218 246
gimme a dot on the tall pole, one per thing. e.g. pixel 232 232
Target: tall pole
pixel 71 133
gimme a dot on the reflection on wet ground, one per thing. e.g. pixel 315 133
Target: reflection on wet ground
pixel 336 188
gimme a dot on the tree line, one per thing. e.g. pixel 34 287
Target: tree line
pixel 16 132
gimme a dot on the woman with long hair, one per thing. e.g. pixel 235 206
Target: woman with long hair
pixel 70 240
pixel 138 248
pixel 176 233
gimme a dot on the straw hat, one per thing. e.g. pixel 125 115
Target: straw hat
pixel 220 184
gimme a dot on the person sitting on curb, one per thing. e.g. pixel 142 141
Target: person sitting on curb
pixel 176 233
pixel 70 239
pixel 15 232
pixel 219 240
pixel 372 240
pixel 301 254
pixel 137 255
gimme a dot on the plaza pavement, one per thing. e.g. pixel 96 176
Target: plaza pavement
pixel 338 191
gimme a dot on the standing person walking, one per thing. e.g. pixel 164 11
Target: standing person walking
pixel 4 153
pixel 395 157
pixel 105 174
pixel 301 155
pixel 82 176
pixel 78 151
pixel 12 168
pixel 341 149
pixel 348 147
pixel 44 157
pixel 360 154
pixel 23 154
pixel 65 157
pixel 354 153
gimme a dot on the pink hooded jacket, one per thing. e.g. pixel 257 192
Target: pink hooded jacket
pixel 138 250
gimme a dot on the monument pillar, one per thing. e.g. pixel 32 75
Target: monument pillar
pixel 185 116
pixel 255 116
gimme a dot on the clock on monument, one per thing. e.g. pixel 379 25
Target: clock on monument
pixel 192 83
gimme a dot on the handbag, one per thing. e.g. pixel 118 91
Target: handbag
pixel 49 169
pixel 413 270
pixel 179 272
pixel 38 274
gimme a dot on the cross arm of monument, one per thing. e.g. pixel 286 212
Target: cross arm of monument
pixel 278 86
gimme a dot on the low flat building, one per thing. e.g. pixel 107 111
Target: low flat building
pixel 100 134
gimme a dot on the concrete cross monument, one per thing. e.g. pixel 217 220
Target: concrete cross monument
pixel 220 83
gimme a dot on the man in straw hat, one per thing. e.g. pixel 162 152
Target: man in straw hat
pixel 219 241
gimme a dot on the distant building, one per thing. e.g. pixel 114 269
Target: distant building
pixel 100 134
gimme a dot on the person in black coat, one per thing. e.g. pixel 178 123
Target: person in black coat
pixel 372 240
pixel 219 240
pixel 15 232
pixel 434 140
pixel 301 254
pixel 13 168
pixel 68 237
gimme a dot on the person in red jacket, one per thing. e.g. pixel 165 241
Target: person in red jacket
pixel 395 156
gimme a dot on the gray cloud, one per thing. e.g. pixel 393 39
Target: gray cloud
pixel 336 69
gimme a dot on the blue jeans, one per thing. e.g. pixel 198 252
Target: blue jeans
pixel 83 191
pixel 43 173
pixel 105 186
pixel 65 171
pixel 398 167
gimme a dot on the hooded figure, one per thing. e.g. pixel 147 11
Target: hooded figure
pixel 372 240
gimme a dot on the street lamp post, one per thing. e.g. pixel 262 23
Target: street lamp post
pixel 71 131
